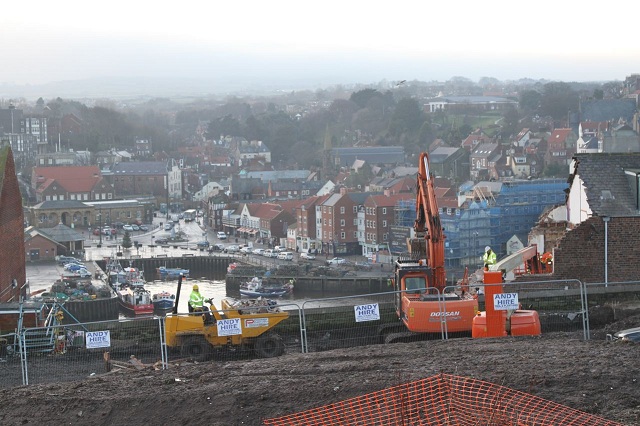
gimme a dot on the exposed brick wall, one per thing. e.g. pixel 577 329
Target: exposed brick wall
pixel 581 253
pixel 12 259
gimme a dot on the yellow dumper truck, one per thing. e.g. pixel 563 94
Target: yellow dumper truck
pixel 242 326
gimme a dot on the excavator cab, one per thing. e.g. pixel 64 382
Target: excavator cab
pixel 422 308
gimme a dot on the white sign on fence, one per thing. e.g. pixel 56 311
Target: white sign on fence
pixel 98 339
pixel 505 301
pixel 229 327
pixel 369 312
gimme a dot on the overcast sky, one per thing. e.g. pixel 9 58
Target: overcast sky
pixel 322 43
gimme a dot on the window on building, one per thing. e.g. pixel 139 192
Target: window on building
pixel 342 210
pixel 384 223
pixel 355 234
pixel 342 235
pixel 342 222
pixel 384 210
pixel 384 237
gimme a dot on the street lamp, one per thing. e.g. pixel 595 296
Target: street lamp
pixel 99 221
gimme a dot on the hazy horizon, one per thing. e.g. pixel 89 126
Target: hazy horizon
pixel 280 45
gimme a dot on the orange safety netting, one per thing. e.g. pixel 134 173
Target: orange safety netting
pixel 443 400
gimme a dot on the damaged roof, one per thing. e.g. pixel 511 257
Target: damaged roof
pixel 610 181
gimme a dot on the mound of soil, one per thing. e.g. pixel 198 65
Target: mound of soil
pixel 595 376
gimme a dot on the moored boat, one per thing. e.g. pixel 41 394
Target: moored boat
pixel 171 273
pixel 135 301
pixel 257 288
pixel 163 302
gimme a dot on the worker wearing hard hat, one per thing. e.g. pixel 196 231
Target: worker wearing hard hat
pixel 489 258
pixel 196 303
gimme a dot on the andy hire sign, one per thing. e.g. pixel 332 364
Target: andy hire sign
pixel 505 301
pixel 369 312
pixel 98 339
pixel 229 327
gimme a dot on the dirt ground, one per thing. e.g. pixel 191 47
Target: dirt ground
pixel 595 376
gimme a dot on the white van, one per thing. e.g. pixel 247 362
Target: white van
pixel 285 255
pixel 221 235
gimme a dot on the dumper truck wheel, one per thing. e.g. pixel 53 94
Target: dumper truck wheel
pixel 196 347
pixel 269 345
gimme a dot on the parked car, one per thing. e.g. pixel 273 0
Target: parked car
pixel 81 273
pixel 63 260
pixel 96 231
pixel 162 241
pixel 72 266
pixel 278 249
pixel 216 247
pixel 232 249
pixel 245 249
pixel 628 335
pixel 269 253
pixel 203 244
pixel 336 261
pixel 221 236
pixel 128 228
pixel 307 256
pixel 135 227
pixel 285 255
pixel 365 266
pixel 168 226
pixel 144 228
pixel 258 251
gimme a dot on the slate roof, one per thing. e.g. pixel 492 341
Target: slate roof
pixel 608 109
pixel 61 204
pixel 62 233
pixel 609 190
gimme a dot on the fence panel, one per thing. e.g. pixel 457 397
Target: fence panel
pixel 612 302
pixel 349 321
pixel 560 304
pixel 240 329
pixel 10 365
pixel 77 351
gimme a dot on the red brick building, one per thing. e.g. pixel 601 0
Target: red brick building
pixel 12 254
pixel 80 183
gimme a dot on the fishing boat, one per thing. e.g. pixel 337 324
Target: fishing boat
pixel 171 273
pixel 257 288
pixel 163 302
pixel 135 301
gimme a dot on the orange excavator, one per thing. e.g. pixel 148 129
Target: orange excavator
pixel 421 303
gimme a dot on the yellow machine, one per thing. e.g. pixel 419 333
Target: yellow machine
pixel 196 337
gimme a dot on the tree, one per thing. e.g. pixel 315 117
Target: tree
pixel 554 170
pixel 529 100
pixel 126 240
pixel 407 118
pixel 362 97
pixel 558 99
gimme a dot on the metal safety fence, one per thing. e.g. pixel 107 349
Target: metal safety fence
pixel 244 329
pixel 66 352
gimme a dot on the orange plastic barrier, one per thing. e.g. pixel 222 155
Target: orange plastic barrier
pixel 443 400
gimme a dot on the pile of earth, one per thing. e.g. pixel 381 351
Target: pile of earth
pixel 595 376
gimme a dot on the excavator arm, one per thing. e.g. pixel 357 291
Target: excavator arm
pixel 428 228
